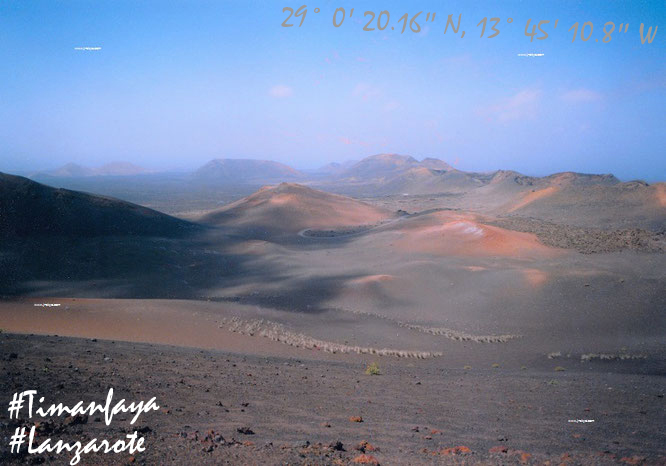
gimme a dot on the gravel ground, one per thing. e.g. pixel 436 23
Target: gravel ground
pixel 227 408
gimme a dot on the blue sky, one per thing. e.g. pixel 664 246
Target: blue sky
pixel 177 83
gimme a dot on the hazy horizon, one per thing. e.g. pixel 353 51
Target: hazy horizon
pixel 178 84
pixel 192 168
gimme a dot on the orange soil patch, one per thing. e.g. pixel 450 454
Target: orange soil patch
pixel 633 459
pixel 532 196
pixel 371 279
pixel 475 268
pixel 661 193
pixel 524 457
pixel 461 450
pixel 365 446
pixel 535 277
pixel 463 236
pixel 252 247
pixel 170 322
pixel 366 459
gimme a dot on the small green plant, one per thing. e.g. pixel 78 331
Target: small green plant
pixel 372 369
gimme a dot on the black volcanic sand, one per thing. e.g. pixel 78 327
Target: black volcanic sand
pixel 299 409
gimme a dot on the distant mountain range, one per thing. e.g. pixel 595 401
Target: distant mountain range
pixel 73 170
pixel 597 198
pixel 239 171
pixel 388 173
pixel 385 166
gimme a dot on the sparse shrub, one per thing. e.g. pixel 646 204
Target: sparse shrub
pixel 495 366
pixel 459 336
pixel 523 368
pixel 559 369
pixel 372 369
pixel 611 357
pixel 278 332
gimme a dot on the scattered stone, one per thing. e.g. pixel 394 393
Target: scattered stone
pixel 460 450
pixel 74 420
pixel 366 446
pixel 46 427
pixel 498 449
pixel 633 459
pixel 337 446
pixel 524 457
pixel 366 459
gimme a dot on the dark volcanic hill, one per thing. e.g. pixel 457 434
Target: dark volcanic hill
pixel 28 208
pixel 240 171
pixel 56 242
